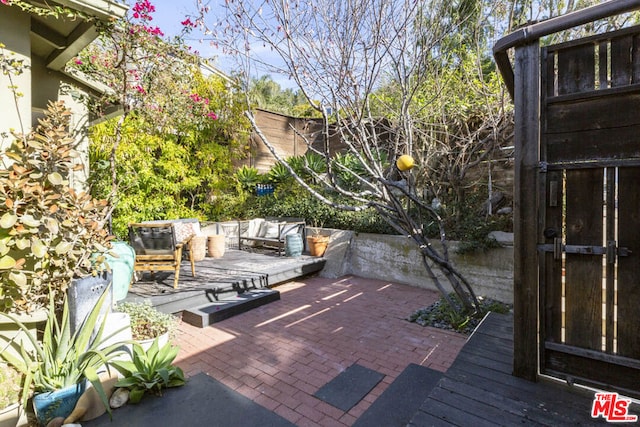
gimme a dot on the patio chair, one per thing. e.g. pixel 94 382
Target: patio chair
pixel 158 249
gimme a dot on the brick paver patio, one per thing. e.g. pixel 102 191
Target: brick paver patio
pixel 280 354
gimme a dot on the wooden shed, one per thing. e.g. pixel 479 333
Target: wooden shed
pixel 576 203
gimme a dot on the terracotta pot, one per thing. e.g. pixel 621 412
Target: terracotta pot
pixel 317 244
pixel 216 245
pixel 199 247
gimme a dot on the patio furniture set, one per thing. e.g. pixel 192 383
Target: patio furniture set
pixel 161 245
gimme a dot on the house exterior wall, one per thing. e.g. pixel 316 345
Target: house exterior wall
pixel 38 85
pixel 14 34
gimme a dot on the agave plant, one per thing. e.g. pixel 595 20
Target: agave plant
pixel 149 371
pixel 64 358
pixel 248 177
pixel 309 166
pixel 278 173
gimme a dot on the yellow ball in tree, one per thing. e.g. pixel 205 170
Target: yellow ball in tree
pixel 405 162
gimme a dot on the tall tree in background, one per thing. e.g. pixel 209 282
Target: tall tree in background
pixel 371 69
pixel 267 94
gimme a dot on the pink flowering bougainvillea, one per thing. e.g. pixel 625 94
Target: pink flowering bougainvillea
pixel 145 74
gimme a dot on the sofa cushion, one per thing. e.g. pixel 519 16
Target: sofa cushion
pixel 289 229
pixel 270 230
pixel 253 228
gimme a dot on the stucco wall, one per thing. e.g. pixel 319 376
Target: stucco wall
pixel 38 85
pixel 14 34
pixel 397 259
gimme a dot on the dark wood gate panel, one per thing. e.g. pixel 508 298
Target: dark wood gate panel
pixel 589 211
pixel 628 267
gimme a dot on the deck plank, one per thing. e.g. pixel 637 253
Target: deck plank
pixel 479 388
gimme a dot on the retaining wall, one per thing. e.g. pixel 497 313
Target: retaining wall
pixel 397 259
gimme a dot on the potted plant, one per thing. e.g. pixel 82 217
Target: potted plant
pixel 317 242
pixel 61 363
pixel 148 323
pixel 10 380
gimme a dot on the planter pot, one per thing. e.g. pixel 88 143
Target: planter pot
pixel 293 245
pixel 57 403
pixel 84 293
pixel 118 328
pixel 122 269
pixel 162 341
pixel 12 338
pixel 199 247
pixel 10 415
pixel 216 245
pixel 317 244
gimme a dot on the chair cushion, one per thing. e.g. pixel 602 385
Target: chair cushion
pixel 185 229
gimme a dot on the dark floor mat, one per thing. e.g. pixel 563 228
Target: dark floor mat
pixel 349 387
pixel 203 401
pixel 402 399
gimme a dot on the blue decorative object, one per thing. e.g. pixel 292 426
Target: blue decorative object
pixel 264 189
pixel 293 245
pixel 57 403
pixel 122 268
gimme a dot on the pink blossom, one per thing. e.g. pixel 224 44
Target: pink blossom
pixel 212 115
pixel 78 61
pixel 188 23
pixel 140 89
pixel 154 31
pixel 5 2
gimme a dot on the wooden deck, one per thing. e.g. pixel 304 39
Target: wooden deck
pixel 220 278
pixel 480 390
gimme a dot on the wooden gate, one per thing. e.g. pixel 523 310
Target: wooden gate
pixel 589 211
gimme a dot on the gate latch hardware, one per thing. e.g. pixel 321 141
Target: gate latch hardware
pixel 557 248
pixel 611 252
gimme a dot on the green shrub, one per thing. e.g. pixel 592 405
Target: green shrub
pixel 146 321
pixel 441 315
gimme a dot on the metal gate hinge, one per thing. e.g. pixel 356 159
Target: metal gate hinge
pixel 543 166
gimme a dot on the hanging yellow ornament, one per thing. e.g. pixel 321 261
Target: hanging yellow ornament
pixel 405 162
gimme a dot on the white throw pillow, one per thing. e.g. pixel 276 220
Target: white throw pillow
pixel 289 229
pixel 272 230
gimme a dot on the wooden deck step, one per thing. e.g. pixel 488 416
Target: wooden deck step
pixel 479 388
pixel 212 312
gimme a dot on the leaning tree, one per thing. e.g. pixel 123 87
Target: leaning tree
pixel 366 67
